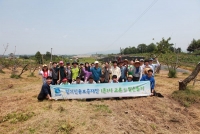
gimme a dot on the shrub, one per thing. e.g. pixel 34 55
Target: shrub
pixel 172 73
pixel 15 76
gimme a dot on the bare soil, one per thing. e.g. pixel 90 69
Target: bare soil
pixel 141 115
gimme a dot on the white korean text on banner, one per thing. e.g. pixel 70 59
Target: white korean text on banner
pixel 105 90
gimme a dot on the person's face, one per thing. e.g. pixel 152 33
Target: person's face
pixel 61 64
pixel 81 65
pixel 115 64
pixel 78 80
pixel 106 64
pixel 149 73
pixel 48 81
pixel 45 68
pixel 92 65
pixel 102 79
pixel 87 65
pixel 150 62
pixel 74 65
pixel 141 62
pixel 114 79
pixel 96 65
pixel 131 63
pixel 137 65
pixel 121 64
pixel 64 82
pixel 91 80
pixel 54 65
pixel 129 79
pixel 146 63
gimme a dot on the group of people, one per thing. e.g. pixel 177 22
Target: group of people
pixel 107 72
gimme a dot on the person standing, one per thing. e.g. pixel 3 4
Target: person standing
pixel 55 71
pixel 116 70
pixel 137 71
pixel 154 66
pixel 123 72
pixel 96 72
pixel 75 70
pixel 62 73
pixel 87 67
pixel 68 72
pixel 45 72
pixel 130 67
pixel 106 71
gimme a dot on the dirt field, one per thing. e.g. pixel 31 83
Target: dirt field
pixel 20 112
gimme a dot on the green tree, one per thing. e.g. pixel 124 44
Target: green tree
pixel 47 56
pixel 163 46
pixel 142 48
pixel 38 57
pixel 151 48
pixel 194 45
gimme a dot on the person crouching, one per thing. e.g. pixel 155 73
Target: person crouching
pixel 65 82
pixel 45 92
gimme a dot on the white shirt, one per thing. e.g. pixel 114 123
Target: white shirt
pixel 116 71
pixel 91 83
pixel 81 82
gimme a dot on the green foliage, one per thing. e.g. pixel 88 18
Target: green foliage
pixel 31 75
pixel 172 73
pixel 14 76
pixel 194 45
pixel 163 46
pixel 18 117
pixel 187 97
pixel 38 57
pixel 151 47
pixel 66 128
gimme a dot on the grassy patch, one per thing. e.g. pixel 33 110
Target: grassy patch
pixel 31 75
pixel 17 117
pixel 1 71
pixel 14 76
pixel 187 97
pixel 102 108
pixel 66 127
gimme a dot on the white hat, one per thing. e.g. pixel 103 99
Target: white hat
pixel 96 62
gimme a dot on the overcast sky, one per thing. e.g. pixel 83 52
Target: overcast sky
pixel 83 26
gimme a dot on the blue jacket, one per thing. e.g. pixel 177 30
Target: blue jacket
pixel 96 73
pixel 151 79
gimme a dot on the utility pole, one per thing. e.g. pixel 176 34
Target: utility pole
pixel 51 54
pixel 42 59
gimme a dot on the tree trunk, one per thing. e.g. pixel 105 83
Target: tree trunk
pixel 23 70
pixel 158 69
pixel 183 83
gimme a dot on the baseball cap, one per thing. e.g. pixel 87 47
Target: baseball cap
pixel 61 62
pixel 96 62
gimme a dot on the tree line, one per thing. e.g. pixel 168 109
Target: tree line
pixel 143 48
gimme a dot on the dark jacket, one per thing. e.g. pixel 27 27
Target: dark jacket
pixel 45 90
